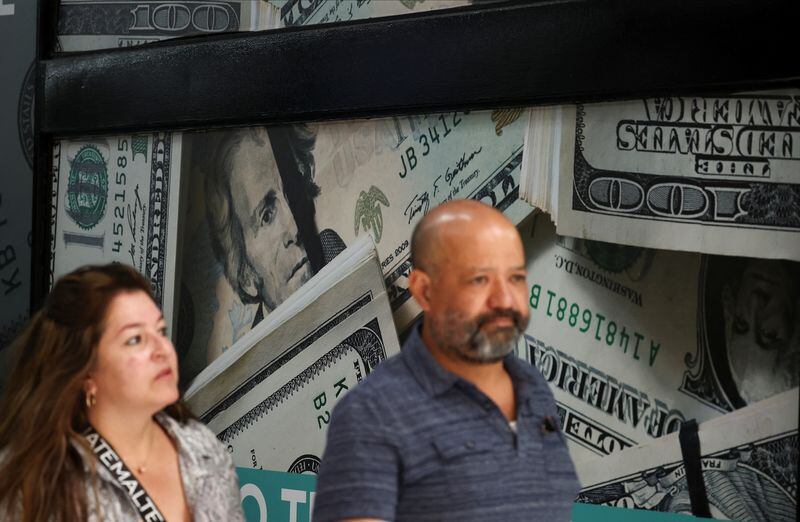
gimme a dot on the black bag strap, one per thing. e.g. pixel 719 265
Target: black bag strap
pixel 109 459
pixel 690 450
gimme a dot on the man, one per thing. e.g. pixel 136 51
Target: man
pixel 260 208
pixel 455 427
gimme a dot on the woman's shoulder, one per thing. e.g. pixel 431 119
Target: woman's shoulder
pixel 207 470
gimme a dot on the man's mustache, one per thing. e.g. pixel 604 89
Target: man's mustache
pixel 519 320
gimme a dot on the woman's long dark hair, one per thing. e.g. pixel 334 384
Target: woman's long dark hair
pixel 43 412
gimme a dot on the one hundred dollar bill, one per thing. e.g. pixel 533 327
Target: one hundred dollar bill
pixel 634 341
pixel 269 398
pixel 311 12
pixel 748 458
pixel 85 25
pixel 116 199
pixel 712 174
pixel 265 208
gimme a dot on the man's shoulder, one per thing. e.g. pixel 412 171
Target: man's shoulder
pixel 526 368
pixel 531 373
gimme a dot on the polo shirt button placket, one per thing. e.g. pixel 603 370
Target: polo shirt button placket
pixel 514 437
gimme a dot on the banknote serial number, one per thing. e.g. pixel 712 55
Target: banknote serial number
pixel 427 141
pixel 117 224
pixel 592 323
pixel 321 402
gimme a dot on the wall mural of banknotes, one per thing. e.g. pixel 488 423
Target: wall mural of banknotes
pixel 634 341
pixel 232 222
pixel 263 209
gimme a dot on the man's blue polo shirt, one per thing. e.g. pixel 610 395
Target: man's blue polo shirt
pixel 416 442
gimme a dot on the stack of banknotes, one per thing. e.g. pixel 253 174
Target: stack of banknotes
pixel 661 238
pixel 713 174
pixel 269 398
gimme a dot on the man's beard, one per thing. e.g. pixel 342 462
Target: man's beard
pixel 466 340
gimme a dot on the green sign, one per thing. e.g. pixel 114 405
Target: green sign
pixel 274 496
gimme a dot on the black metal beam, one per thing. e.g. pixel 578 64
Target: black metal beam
pixel 46 18
pixel 499 55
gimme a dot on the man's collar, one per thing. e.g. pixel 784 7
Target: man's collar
pixel 519 370
pixel 435 379
pixel 525 385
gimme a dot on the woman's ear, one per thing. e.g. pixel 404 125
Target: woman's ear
pixel 89 386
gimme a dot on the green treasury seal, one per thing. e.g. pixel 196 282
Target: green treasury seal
pixel 612 257
pixel 87 187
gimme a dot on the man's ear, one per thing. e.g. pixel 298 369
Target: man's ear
pixel 419 284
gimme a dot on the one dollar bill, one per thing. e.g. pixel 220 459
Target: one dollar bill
pixel 115 199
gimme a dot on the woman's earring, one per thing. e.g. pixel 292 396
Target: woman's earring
pixel 91 399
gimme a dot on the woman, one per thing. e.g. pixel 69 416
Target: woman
pixel 96 371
